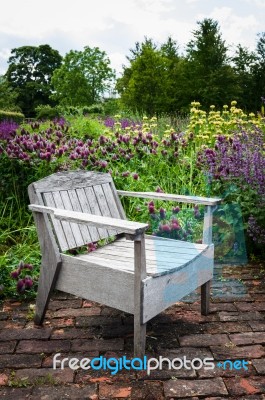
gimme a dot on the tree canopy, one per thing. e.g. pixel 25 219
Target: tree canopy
pixel 83 77
pixel 29 74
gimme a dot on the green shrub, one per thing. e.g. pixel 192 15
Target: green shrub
pixel 47 112
pixel 11 116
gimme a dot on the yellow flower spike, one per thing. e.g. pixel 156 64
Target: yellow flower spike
pixel 233 103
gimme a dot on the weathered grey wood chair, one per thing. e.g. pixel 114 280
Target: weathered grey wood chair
pixel 136 273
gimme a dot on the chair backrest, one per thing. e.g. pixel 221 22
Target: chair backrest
pixel 83 191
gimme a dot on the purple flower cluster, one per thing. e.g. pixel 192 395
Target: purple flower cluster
pixel 125 123
pixel 23 281
pixel 35 145
pixel 256 232
pixel 165 223
pixel 7 129
pixel 238 159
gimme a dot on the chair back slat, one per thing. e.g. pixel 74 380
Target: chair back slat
pixel 81 191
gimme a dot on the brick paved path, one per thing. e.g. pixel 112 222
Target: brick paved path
pixel 235 329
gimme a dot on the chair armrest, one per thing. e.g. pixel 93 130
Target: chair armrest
pixel 130 227
pixel 207 201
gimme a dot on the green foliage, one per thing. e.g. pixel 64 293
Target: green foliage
pixel 29 74
pixel 84 127
pixel 47 112
pixel 11 116
pixel 213 79
pixel 8 96
pixel 82 78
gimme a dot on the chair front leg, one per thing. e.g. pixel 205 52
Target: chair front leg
pixel 207 239
pixel 139 275
pixel 205 298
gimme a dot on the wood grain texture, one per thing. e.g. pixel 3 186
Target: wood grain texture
pixel 139 276
pixel 207 239
pixel 95 282
pixel 51 258
pixel 130 227
pixel 171 197
pixel 71 179
pixel 163 291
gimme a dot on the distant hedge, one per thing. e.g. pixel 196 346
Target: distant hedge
pixel 11 116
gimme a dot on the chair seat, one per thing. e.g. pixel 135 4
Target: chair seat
pixel 163 256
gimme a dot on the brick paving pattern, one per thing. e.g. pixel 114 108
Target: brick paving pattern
pixel 234 330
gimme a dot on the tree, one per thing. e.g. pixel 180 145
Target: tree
pixel 142 84
pixel 83 77
pixel 150 83
pixel 259 71
pixel 211 77
pixel 29 74
pixel 8 96
pixel 244 63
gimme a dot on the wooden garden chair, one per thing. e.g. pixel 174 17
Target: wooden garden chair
pixel 139 274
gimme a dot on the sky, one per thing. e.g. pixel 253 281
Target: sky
pixel 116 25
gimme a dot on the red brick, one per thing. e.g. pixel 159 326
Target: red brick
pixel 7 347
pixel 189 352
pixel 7 324
pixel 259 365
pixel 245 386
pixel 97 344
pixel 257 326
pixel 74 333
pixel 60 322
pixel 147 390
pixel 236 316
pixel 43 346
pixel 45 375
pixel 114 391
pixel 76 312
pixel 97 320
pixel 227 327
pixel 214 307
pixel 232 353
pixel 20 360
pixel 20 334
pixel 175 389
pixel 255 306
pixel 62 304
pixel 3 379
pixel 9 393
pixel 248 338
pixel 73 392
pixel 203 340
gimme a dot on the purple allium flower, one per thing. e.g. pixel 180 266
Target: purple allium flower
pixel 175 210
pixel 28 266
pixel 135 176
pixel 175 226
pixel 162 213
pixel 91 247
pixel 125 174
pixel 28 282
pixel 21 286
pixel 164 228
pixel 15 274
pixel 103 163
pixel 159 190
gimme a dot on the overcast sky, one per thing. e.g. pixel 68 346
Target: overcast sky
pixel 115 25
